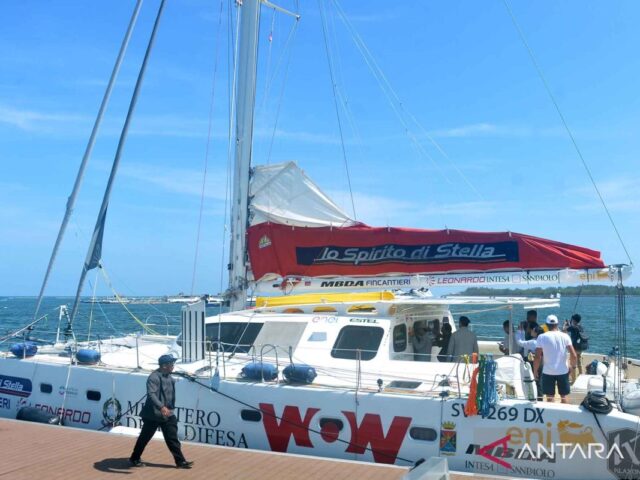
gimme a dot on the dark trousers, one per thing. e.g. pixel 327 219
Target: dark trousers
pixel 170 433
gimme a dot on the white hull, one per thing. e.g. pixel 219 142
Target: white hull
pixel 384 423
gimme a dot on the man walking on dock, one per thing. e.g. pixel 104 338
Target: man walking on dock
pixel 158 413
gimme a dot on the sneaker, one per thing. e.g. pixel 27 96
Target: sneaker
pixel 136 463
pixel 184 464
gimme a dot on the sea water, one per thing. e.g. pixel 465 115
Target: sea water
pixel 113 320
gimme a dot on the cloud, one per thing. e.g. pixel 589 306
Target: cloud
pixel 486 129
pixel 378 210
pixel 620 194
pixel 35 121
pixel 177 180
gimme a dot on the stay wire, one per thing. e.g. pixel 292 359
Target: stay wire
pixel 566 126
pixel 290 39
pixel 207 148
pixel 398 106
pixel 335 102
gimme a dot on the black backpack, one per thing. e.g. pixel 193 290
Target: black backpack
pixel 581 340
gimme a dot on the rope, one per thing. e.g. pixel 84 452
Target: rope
pixel 489 393
pixel 206 153
pixel 398 107
pixel 93 297
pixel 124 305
pixel 335 102
pixel 286 48
pixel 471 407
pixel 575 305
pixel 566 125
pixel 297 425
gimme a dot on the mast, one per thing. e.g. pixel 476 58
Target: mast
pixel 245 107
pixel 94 253
pixel 87 154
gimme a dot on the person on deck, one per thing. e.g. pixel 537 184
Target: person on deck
pixel 157 412
pixel 422 342
pixel 532 322
pixel 554 345
pixel 463 341
pixel 579 340
pixel 529 351
pixel 509 346
pixel 443 342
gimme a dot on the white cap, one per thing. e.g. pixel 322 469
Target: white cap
pixel 552 320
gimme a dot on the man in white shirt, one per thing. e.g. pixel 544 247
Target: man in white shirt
pixel 554 346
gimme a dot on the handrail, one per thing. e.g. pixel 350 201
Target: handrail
pixel 271 347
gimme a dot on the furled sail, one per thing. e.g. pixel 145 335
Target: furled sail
pixel 298 234
pixel 283 194
pixel 282 250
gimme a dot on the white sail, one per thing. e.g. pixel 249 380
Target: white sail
pixel 284 194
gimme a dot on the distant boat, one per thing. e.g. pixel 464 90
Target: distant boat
pixel 182 298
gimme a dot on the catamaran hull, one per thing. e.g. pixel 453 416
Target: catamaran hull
pixel 516 438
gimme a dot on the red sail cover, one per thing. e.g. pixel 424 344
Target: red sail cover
pixel 361 250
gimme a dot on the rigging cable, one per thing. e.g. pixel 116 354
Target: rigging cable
pixel 87 153
pixel 565 124
pixel 290 38
pixel 207 148
pixel 335 101
pixel 193 379
pixel 398 106
pixel 146 328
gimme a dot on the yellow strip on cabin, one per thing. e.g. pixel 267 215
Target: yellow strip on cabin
pixel 314 298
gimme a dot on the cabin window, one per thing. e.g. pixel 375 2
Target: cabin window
pixel 318 337
pixel 422 433
pixel 352 338
pixel 251 415
pixel 339 425
pixel 324 310
pixel 234 336
pixel 94 395
pixel 400 338
pixel 404 384
pixel 362 309
pixel 293 310
pixel 46 388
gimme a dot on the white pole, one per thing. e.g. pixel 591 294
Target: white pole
pixel 245 106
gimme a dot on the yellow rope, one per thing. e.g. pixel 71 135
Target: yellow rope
pixel 146 328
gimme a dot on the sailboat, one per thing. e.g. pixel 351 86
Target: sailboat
pixel 324 365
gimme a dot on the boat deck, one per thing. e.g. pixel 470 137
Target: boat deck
pixel 33 450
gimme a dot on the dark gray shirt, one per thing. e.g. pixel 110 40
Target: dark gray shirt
pixel 161 392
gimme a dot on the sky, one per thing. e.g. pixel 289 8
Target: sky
pixel 456 131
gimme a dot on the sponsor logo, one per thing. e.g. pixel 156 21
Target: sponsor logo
pixel 411 254
pixel 371 283
pixel 67 415
pixel 576 441
pixel 448 438
pixel 197 425
pixel 495 469
pixel 111 412
pixel 368 434
pixel 627 465
pixel 363 320
pixel 20 387
pixel 71 391
pixel 264 242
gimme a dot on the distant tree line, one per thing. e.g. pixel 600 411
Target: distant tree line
pixel 585 290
